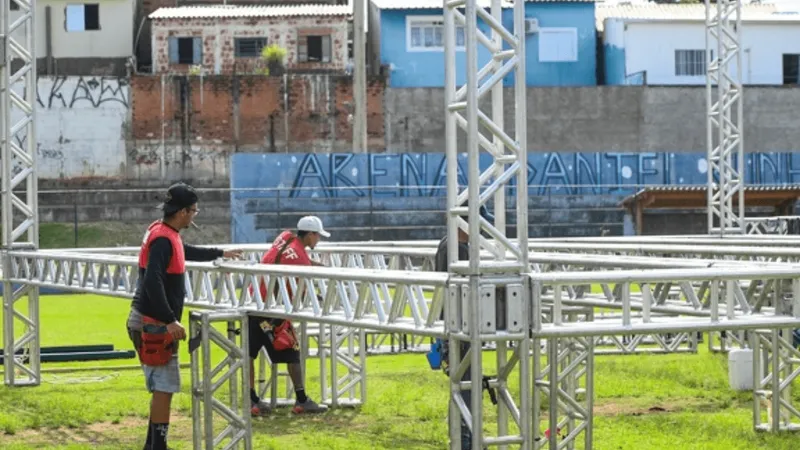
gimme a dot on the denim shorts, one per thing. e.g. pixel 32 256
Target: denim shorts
pixel 166 378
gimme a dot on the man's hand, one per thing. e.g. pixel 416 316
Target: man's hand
pixel 177 331
pixel 233 254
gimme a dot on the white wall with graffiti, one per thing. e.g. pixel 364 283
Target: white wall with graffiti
pixel 80 126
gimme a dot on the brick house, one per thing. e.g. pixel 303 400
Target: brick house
pixel 219 39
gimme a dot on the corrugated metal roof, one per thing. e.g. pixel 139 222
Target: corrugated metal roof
pixel 419 4
pixel 702 187
pixel 230 11
pixel 694 195
pixel 694 12
pixel 438 4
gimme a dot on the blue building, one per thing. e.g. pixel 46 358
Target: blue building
pixel 407 40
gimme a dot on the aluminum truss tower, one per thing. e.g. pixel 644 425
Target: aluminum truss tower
pixel 488 300
pixel 724 123
pixel 19 185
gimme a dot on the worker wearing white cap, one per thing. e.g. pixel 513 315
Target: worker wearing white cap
pixel 276 335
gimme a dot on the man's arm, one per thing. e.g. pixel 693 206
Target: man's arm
pixel 193 253
pixel 155 278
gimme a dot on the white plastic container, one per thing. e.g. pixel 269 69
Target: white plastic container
pixel 740 369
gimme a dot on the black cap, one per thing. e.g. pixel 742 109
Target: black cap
pixel 483 211
pixel 179 196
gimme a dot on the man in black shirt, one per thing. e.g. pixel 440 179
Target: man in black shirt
pixel 441 265
pixel 157 307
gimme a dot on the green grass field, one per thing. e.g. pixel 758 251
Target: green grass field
pixel 641 402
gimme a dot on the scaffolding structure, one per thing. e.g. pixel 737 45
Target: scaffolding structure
pixel 724 118
pixel 19 188
pixel 488 300
pixel 734 296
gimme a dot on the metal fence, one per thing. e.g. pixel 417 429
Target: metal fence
pixel 636 79
pixel 350 212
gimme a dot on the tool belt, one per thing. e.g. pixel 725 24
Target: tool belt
pixel 157 345
pixel 281 336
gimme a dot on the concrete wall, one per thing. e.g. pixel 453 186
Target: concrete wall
pixel 402 196
pixel 164 128
pixel 218 41
pixel 80 124
pixel 115 201
pixel 630 118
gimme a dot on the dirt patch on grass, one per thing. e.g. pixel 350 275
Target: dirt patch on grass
pixel 122 433
pixel 633 409
pixel 621 409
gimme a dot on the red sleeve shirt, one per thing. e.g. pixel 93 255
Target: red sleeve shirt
pixel 293 254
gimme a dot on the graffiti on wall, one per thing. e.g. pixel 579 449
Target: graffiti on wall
pixel 82 92
pixel 425 174
pixel 93 138
pixel 46 154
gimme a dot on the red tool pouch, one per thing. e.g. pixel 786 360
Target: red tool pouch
pixel 284 336
pixel 157 344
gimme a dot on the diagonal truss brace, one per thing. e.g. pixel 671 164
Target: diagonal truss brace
pixel 209 377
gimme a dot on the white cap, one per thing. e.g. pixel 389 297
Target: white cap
pixel 313 224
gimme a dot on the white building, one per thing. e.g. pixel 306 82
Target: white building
pixel 660 44
pixel 80 37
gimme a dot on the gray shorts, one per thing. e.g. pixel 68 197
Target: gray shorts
pixel 157 378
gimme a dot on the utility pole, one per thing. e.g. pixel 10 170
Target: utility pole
pixel 359 78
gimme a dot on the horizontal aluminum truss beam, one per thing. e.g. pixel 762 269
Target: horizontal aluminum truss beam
pixel 398 257
pixel 395 301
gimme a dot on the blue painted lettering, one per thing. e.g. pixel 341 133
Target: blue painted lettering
pixel 311 170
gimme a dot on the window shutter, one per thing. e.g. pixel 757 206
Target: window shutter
pixel 326 49
pixel 302 49
pixel 173 50
pixel 197 51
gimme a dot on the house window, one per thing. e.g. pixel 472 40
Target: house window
pixel 426 33
pixel 691 63
pixel 84 17
pixel 249 47
pixel 312 48
pixel 558 45
pixel 791 69
pixel 185 50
